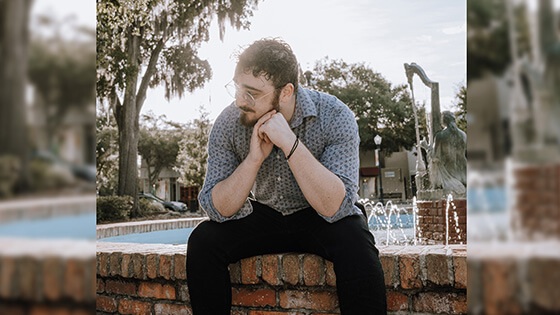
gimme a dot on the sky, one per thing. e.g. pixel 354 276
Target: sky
pixel 382 34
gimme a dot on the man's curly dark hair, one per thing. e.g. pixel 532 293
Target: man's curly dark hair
pixel 272 58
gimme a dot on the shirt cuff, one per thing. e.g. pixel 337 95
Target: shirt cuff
pixel 347 208
pixel 207 204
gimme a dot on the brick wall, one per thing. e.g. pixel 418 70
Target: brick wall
pixel 123 228
pixel 431 221
pixel 47 276
pixel 537 202
pixel 150 279
pixel 514 278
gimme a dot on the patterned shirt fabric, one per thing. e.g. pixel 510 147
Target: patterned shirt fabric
pixel 324 124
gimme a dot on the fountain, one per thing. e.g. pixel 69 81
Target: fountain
pixel 443 183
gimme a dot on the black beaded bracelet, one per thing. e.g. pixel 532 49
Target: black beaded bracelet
pixel 293 148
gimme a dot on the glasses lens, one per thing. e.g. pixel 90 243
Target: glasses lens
pixel 231 89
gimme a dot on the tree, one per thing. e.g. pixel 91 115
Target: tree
pixel 489 48
pixel 158 144
pixel 61 69
pixel 192 159
pixel 14 35
pixel 106 150
pixel 146 43
pixel 380 108
pixel 460 104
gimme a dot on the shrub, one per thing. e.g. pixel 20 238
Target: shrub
pixel 148 207
pixel 113 208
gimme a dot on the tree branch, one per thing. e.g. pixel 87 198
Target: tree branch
pixel 150 71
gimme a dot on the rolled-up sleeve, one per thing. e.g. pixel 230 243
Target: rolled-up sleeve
pixel 341 156
pixel 222 162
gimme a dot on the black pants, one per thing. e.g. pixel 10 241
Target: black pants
pixel 347 243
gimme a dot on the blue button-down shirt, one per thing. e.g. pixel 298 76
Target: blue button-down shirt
pixel 324 124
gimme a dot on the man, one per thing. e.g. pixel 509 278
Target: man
pixel 295 152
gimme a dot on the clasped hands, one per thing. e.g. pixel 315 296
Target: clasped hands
pixel 271 130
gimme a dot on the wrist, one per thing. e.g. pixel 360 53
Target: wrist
pixel 288 144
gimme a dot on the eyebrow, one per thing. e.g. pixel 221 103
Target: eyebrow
pixel 248 87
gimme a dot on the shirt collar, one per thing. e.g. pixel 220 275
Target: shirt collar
pixel 305 107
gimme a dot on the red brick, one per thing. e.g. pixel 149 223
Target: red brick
pixel 120 287
pixel 74 279
pixel 52 278
pixel 437 268
pixel 183 293
pixel 440 303
pixel 100 285
pixel 139 266
pixel 314 300
pixel 290 268
pixel 48 310
pixel 409 266
pixel 500 286
pixel 389 266
pixel 235 273
pixel 330 275
pixel 134 307
pixel 105 304
pixel 172 309
pixel 544 275
pixel 249 270
pixel 152 265
pixel 13 310
pixel 396 301
pixel 115 260
pixel 27 277
pixel 102 264
pixel 165 266
pixel 156 290
pixel 257 297
pixel 7 275
pixel 460 271
pixel 127 269
pixel 270 270
pixel 180 266
pixel 274 313
pixel 313 270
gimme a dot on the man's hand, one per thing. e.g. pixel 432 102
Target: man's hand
pixel 261 146
pixel 278 131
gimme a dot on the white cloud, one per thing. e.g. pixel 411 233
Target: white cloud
pixel 455 29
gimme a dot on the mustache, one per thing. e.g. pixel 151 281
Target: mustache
pixel 246 109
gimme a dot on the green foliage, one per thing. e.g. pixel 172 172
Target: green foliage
pixel 380 108
pixel 147 207
pixel 158 144
pixel 488 49
pixel 461 108
pixel 147 43
pixel 61 69
pixel 113 208
pixel 193 155
pixel 106 151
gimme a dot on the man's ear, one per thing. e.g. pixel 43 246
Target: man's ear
pixel 287 91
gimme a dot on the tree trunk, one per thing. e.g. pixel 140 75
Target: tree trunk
pixel 14 16
pixel 128 128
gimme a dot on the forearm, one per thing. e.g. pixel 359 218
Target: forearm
pixel 229 195
pixel 323 190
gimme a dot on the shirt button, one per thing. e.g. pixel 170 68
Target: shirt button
pixel 281 197
pixel 278 156
pixel 279 178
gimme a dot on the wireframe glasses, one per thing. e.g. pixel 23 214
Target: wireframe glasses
pixel 237 92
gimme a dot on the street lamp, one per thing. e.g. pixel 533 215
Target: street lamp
pixel 377 139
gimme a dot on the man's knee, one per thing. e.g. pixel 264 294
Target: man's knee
pixel 202 237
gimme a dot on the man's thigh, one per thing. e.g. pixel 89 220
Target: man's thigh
pixel 261 232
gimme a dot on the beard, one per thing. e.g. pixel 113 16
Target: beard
pixel 247 121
